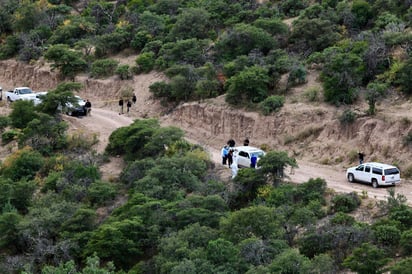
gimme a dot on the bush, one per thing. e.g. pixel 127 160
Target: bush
pixel 346 202
pixel 99 193
pixel 272 104
pixel 347 117
pixel 9 136
pixel 124 72
pixel 388 235
pixel 406 242
pixel 103 68
pixel 341 218
pixel 24 163
pixel 297 76
pixel 146 61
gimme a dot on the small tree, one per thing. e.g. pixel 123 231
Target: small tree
pixel 68 61
pixel 375 91
pixel 274 163
pixel 124 72
pixel 366 259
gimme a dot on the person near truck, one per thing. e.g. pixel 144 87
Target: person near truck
pixel 361 156
pixel 88 107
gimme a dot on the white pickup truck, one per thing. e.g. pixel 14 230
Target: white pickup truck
pixel 20 93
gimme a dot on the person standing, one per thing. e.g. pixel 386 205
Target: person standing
pixel 224 154
pixel 234 167
pixel 253 161
pixel 87 107
pixel 361 155
pixel 134 99
pixel 129 105
pixel 230 158
pixel 121 106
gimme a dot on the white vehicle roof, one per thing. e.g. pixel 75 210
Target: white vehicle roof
pixel 248 149
pixel 380 165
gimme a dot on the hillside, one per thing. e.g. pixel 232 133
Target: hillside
pixel 323 147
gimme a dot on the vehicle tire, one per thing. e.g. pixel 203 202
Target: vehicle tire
pixel 69 113
pixel 351 178
pixel 9 100
pixel 375 183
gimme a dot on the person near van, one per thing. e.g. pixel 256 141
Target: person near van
pixel 231 143
pixel 224 153
pixel 121 106
pixel 246 142
pixel 361 155
pixel 230 158
pixel 234 167
pixel 253 161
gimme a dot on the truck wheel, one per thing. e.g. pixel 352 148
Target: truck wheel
pixel 374 183
pixel 351 178
pixel 8 99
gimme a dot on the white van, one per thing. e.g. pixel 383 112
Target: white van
pixel 374 173
pixel 244 153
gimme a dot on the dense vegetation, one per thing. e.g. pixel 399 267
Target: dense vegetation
pixel 168 212
pixel 208 48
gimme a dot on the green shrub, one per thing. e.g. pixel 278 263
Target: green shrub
pixel 124 72
pixel 346 202
pixel 297 76
pixel 387 234
pixel 341 218
pixel 406 242
pixel 24 163
pixel 146 61
pixel 99 193
pixel 10 135
pixel 272 104
pixel 347 117
pixel 402 267
pixel 103 68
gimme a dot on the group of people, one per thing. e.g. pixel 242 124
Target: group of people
pixel 230 157
pixel 128 104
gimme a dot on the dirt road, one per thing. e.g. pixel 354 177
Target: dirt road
pixel 103 122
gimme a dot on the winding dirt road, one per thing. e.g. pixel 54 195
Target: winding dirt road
pixel 103 122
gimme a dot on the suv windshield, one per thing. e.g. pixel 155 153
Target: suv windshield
pixel 391 171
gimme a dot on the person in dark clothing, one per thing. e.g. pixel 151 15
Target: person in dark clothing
pixel 134 99
pixel 246 142
pixel 230 157
pixel 121 106
pixel 87 107
pixel 129 105
pixel 361 155
pixel 231 143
